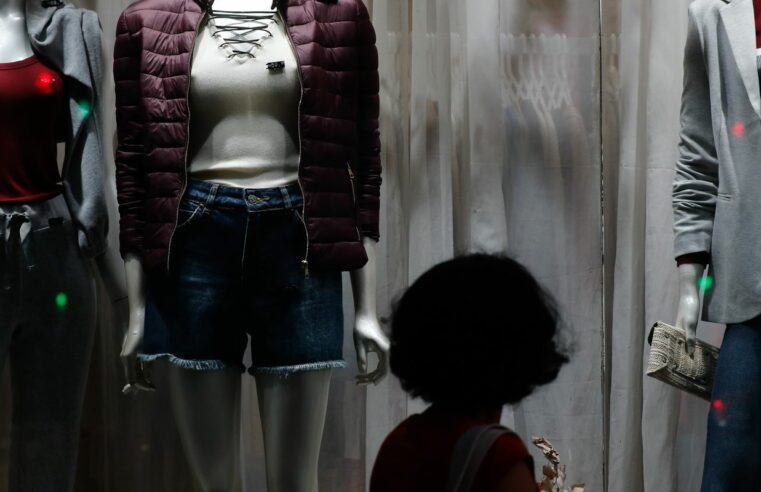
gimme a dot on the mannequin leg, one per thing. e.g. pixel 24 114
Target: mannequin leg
pixel 206 407
pixel 293 412
pixel 49 361
pixel 733 449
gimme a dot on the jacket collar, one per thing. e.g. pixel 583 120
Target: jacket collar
pixel 39 13
pixel 206 4
pixel 740 25
pixel 51 24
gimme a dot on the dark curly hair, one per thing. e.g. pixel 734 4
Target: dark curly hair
pixel 475 332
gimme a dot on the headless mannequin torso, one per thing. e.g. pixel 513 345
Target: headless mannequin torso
pixel 690 274
pixel 245 118
pixel 207 404
pixel 49 357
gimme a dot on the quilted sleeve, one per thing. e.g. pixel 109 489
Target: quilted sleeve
pixel 369 163
pixel 129 150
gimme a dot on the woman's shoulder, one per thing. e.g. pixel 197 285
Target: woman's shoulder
pixel 508 451
pixel 510 447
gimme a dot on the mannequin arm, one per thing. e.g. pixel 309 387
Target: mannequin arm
pixel 688 313
pixel 133 339
pixel 111 272
pixel 368 335
pixel 111 269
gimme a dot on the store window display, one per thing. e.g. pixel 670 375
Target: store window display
pixel 248 176
pixel 52 227
pixel 716 202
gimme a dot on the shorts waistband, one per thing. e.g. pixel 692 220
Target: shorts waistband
pixel 211 194
pixel 37 214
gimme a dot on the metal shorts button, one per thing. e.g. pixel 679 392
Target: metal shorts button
pixel 255 199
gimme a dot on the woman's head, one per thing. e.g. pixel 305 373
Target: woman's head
pixel 475 332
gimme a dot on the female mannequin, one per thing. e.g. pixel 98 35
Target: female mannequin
pixel 51 225
pixel 292 399
pixel 715 222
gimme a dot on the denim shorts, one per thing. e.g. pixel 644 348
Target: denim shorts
pixel 236 271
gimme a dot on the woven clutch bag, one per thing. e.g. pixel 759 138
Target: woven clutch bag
pixel 670 363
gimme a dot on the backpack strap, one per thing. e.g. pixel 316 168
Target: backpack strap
pixel 469 453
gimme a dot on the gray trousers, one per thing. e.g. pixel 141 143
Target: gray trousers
pixel 47 327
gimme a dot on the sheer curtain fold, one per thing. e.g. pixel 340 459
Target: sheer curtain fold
pixel 502 155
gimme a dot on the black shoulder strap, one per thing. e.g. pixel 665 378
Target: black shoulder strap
pixel 469 453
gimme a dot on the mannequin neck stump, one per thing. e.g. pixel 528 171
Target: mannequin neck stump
pixel 14 39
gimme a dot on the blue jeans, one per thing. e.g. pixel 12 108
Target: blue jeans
pixel 733 449
pixel 236 273
pixel 47 329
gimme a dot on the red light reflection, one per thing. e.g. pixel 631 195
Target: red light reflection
pixel 46 83
pixel 738 129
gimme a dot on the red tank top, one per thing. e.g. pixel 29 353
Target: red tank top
pixel 415 456
pixel 32 112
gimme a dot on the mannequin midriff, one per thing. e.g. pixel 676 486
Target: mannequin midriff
pixel 31 96
pixel 244 117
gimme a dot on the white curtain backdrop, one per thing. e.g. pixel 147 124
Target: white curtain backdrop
pixel 491 137
pixel 494 114
pixel 657 435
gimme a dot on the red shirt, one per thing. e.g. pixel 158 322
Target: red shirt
pixel 415 456
pixel 32 108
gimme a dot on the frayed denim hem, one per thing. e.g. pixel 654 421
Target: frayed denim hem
pixel 288 370
pixel 196 365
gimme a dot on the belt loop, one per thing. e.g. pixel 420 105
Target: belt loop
pixel 28 250
pixel 212 195
pixel 286 196
pixel 16 220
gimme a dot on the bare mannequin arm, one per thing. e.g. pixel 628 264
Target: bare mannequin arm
pixel 133 339
pixel 111 269
pixel 688 314
pixel 368 335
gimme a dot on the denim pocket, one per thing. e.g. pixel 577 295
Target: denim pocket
pixel 189 212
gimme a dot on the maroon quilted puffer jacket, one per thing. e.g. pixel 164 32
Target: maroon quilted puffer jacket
pixel 339 172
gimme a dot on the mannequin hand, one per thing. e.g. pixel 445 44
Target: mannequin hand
pixel 137 378
pixel 369 337
pixel 688 313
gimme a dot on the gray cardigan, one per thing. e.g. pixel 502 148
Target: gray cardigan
pixel 68 38
pixel 717 189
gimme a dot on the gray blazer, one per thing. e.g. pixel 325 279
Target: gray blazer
pixel 717 188
pixel 68 38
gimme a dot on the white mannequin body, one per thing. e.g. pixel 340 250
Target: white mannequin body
pixel 15 46
pixel 245 118
pixel 688 314
pixel 207 403
pixel 14 40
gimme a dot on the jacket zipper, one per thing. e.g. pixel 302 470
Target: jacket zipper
pixel 187 134
pixel 305 261
pixel 353 197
